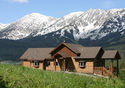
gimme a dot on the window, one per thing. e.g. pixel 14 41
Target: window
pixel 56 63
pixel 47 63
pixel 82 64
pixel 36 64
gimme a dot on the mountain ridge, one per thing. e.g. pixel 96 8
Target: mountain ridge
pixel 86 24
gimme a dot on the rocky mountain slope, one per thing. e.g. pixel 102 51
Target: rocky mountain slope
pixel 26 26
pixel 93 24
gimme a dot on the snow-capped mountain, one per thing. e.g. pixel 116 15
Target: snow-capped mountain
pixel 2 26
pixel 26 26
pixel 93 24
pixel 88 24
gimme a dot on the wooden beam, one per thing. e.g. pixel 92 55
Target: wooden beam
pixel 54 61
pixel 93 66
pixel 111 66
pixel 30 63
pixel 55 64
pixel 117 67
pixel 104 63
pixel 64 67
pixel 102 67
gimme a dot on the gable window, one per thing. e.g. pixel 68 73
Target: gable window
pixel 47 63
pixel 36 64
pixel 82 64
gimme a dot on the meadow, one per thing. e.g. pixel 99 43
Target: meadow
pixel 16 76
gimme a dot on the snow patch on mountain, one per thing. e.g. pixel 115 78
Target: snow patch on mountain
pixel 93 24
pixel 27 25
pixel 2 26
pixel 62 22
pixel 88 24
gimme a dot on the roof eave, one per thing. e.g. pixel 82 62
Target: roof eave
pixel 83 58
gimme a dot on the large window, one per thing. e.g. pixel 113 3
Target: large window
pixel 47 63
pixel 56 63
pixel 82 64
pixel 36 64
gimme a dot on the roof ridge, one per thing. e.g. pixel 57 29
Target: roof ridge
pixel 92 46
pixel 41 48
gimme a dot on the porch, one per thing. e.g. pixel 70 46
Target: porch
pixel 63 62
pixel 111 70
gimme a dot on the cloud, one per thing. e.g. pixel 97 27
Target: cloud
pixel 20 1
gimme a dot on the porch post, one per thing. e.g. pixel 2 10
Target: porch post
pixel 55 64
pixel 30 63
pixel 102 67
pixel 117 67
pixel 64 65
pixel 111 66
pixel 93 66
pixel 104 63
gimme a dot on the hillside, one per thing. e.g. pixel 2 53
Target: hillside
pixel 95 27
pixel 15 76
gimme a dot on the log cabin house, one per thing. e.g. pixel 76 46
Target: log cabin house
pixel 73 58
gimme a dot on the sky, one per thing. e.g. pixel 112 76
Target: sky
pixel 12 10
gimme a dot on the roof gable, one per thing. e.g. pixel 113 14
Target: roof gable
pixel 73 47
pixel 111 54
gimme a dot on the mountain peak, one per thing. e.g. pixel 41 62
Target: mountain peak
pixel 81 24
pixel 27 25
pixel 2 26
pixel 37 15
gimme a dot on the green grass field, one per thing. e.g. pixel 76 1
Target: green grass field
pixel 15 76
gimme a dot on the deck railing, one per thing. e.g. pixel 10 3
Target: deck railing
pixel 98 68
pixel 103 70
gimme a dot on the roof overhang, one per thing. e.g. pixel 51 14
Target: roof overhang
pixel 80 58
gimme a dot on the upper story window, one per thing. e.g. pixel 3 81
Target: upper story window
pixel 82 64
pixel 36 64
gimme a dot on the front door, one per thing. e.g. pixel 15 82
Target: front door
pixel 66 64
pixel 69 66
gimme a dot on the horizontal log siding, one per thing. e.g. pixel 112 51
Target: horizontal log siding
pixel 51 67
pixel 31 64
pixel 87 69
pixel 26 63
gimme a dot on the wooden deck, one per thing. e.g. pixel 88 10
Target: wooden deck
pixel 104 71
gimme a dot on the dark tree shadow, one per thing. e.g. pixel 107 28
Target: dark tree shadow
pixel 2 83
